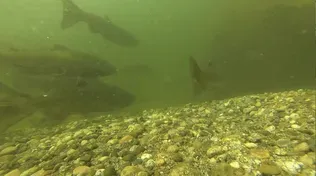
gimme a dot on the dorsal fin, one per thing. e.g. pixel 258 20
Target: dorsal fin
pixel 107 18
pixel 199 84
pixel 72 14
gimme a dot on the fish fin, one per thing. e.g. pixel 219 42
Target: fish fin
pixel 61 72
pixel 72 14
pixel 198 81
pixel 107 18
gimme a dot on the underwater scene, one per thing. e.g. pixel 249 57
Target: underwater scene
pixel 157 88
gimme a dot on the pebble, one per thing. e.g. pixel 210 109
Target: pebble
pixel 280 152
pixel 258 104
pixel 294 116
pixel 177 157
pixel 269 169
pixel 270 128
pixel 78 133
pixel 103 158
pixel 146 156
pixel 8 150
pixel 39 173
pixel 260 153
pixel 150 163
pixel 71 152
pixel 14 172
pixel 160 162
pixel 99 172
pixel 302 147
pixel 182 169
pixel 109 171
pixel 126 139
pixel 312 144
pixel 29 171
pixel 251 145
pixel 215 150
pixel 130 171
pixel 235 165
pixel 84 142
pixel 81 170
pixel 173 149
pixel 66 139
pixel 306 160
pixel 295 126
pixel 283 142
pixel 292 167
pixel 112 141
pixel 85 157
pixel 281 109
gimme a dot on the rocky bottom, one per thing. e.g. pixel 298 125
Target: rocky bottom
pixel 264 134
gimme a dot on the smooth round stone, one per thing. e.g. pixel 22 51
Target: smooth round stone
pixel 269 169
pixel 81 170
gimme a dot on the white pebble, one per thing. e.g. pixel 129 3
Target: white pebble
pixel 251 145
pixel 146 156
pixel 235 164
pixel 292 121
pixel 294 116
pixel 150 163
pixel 270 128
pixel 212 160
pixel 66 139
pixel 103 158
pixel 99 172
pixel 78 133
pixel 84 142
pixel 292 167
pixel 295 126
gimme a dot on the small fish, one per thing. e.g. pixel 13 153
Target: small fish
pixel 202 80
pixel 72 14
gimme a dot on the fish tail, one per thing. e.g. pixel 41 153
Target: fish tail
pixel 72 14
pixel 198 81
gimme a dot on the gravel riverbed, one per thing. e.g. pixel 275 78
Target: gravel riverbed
pixel 253 135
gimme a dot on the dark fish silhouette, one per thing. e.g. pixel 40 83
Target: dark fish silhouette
pixel 63 100
pixel 95 97
pixel 72 14
pixel 201 80
pixel 58 62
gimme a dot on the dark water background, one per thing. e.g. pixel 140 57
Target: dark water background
pixel 255 47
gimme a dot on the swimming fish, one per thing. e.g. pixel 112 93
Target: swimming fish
pixel 72 14
pixel 58 61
